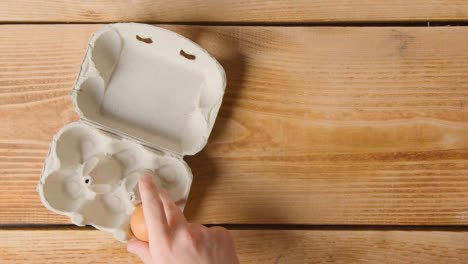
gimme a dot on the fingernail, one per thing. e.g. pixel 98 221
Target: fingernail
pixel 146 178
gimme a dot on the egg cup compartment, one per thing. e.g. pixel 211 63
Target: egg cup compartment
pixel 146 97
pixel 92 177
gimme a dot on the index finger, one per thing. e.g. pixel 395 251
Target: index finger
pixel 153 210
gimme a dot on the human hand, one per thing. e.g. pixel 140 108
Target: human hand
pixel 172 240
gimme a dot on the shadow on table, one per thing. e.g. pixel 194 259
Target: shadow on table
pixel 224 47
pixel 224 44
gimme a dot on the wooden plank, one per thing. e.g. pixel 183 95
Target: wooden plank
pixel 318 126
pixel 253 246
pixel 232 11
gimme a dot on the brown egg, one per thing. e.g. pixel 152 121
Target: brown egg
pixel 138 224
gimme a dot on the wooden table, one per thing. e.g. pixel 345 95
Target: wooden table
pixel 342 138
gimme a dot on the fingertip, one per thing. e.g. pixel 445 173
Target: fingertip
pixel 146 185
pixel 139 248
pixel 146 179
pixel 132 246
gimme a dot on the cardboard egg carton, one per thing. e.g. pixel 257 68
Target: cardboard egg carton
pixel 146 97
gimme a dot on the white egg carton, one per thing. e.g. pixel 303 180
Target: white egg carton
pixel 146 97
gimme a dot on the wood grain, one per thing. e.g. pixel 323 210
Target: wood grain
pixel 318 125
pixel 253 246
pixel 232 11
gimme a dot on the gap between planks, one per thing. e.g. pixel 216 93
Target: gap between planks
pixel 428 23
pixel 446 228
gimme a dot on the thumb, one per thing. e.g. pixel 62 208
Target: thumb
pixel 140 249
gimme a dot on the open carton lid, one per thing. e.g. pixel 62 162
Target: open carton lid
pixel 152 85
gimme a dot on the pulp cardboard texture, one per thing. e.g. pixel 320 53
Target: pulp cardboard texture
pixel 147 97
